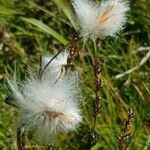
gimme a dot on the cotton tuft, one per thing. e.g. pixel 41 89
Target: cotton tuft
pixel 56 65
pixel 47 106
pixel 100 20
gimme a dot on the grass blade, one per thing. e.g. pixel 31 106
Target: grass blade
pixel 67 9
pixel 46 29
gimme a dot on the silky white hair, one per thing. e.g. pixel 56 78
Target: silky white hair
pixel 56 65
pixel 100 20
pixel 48 106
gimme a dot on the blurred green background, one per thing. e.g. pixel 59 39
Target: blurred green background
pixel 30 28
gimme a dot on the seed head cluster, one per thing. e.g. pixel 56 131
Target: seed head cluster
pixel 100 20
pixel 48 106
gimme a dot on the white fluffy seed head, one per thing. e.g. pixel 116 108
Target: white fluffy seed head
pixel 106 19
pixel 86 12
pixel 47 106
pixel 56 65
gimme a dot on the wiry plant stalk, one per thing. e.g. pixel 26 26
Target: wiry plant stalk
pixel 64 68
pixel 72 52
pixel 123 136
pixel 42 70
pixel 19 139
pixel 72 48
pixel 96 104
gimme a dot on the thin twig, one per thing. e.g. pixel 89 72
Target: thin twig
pixel 142 62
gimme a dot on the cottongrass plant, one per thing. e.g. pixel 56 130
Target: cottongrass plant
pixel 97 21
pixel 49 102
pixel 47 106
pixel 100 20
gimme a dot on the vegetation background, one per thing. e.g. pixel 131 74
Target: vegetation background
pixel 30 28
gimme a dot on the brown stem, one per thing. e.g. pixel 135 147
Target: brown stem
pixel 40 69
pixel 98 86
pixel 19 140
pixel 75 38
pixel 72 52
pixel 96 68
pixel 124 135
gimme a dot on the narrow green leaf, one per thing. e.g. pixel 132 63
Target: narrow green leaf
pixel 41 8
pixel 46 29
pixel 67 9
pixel 7 11
pixel 46 11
